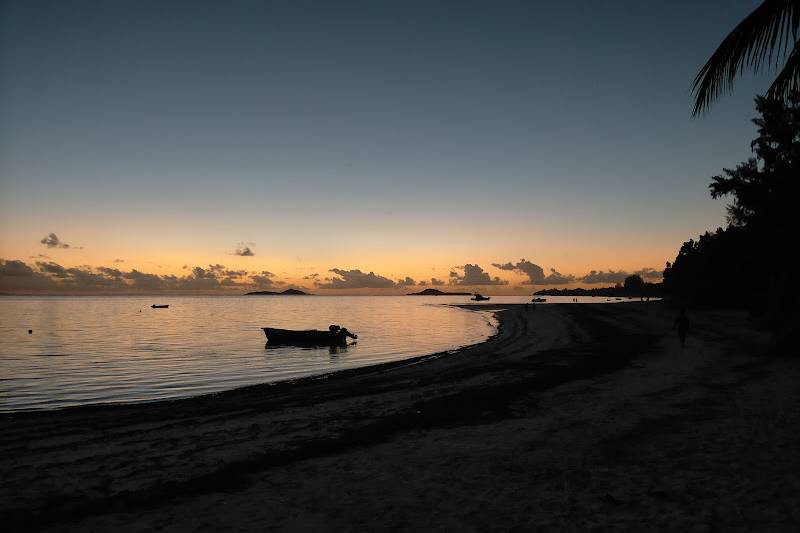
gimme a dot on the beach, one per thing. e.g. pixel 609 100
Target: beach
pixel 572 417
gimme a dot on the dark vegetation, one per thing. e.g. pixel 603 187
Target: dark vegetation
pixel 633 287
pixel 766 38
pixel 748 263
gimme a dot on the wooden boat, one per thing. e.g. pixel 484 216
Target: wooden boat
pixel 308 337
pixel 154 306
pixel 479 298
pixel 539 300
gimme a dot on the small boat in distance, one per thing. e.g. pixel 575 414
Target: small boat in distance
pixel 480 298
pixel 539 300
pixel 155 306
pixel 335 336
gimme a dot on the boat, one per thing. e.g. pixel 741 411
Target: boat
pixel 539 300
pixel 479 298
pixel 155 306
pixel 335 336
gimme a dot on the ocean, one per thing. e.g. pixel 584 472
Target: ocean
pixel 112 349
pixel 116 349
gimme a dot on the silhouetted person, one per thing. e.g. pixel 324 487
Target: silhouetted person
pixel 682 323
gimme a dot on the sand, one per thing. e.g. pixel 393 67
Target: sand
pixel 572 418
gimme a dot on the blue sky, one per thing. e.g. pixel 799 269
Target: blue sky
pixel 400 137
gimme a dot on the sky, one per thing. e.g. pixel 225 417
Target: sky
pixel 309 144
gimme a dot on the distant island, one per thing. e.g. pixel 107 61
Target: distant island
pixel 287 292
pixel 437 292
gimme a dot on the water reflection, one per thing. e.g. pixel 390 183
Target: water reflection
pixel 104 350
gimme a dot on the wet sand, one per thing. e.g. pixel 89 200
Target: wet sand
pixel 573 417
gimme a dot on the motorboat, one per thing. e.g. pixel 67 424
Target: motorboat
pixel 334 336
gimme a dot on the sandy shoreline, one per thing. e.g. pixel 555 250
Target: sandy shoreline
pixel 570 417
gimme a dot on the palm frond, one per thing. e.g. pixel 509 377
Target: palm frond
pixel 762 39
pixel 788 81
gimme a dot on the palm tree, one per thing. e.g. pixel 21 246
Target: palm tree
pixel 766 37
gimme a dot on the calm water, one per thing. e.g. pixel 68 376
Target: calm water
pixel 117 349
pixel 113 349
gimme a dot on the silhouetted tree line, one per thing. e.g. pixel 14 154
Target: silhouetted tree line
pixel 748 263
pixel 633 286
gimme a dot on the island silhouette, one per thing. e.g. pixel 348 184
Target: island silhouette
pixel 287 292
pixel 437 292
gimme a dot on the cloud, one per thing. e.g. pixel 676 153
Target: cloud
pixel 52 241
pixel 16 275
pixel 49 275
pixel 244 251
pixel 650 273
pixel 598 276
pixel 474 275
pixel 354 279
pixel 85 278
pixel 15 268
pixel 263 280
pixel 111 272
pixel 202 278
pixel 556 278
pixel 54 269
pixel 534 272
pixel 144 281
pixel 611 276
pixel 118 261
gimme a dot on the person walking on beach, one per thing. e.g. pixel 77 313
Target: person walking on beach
pixel 682 323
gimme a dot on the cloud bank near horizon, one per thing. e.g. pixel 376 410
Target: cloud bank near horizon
pixel 48 276
pixel 473 275
pixel 536 275
pixel 45 275
pixel 356 279
pixel 611 276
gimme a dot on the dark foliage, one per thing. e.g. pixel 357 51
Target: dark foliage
pixel 764 188
pixel 634 283
pixel 620 291
pixel 764 39
pixel 714 270
pixel 748 264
